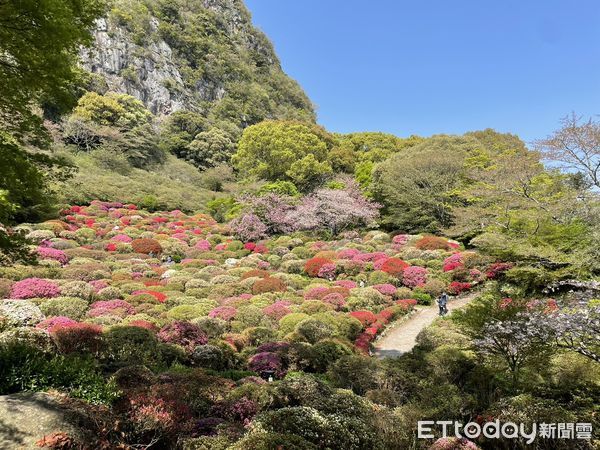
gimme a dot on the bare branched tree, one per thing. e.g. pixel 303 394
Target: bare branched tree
pixel 575 147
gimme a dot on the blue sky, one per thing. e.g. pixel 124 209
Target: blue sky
pixel 439 66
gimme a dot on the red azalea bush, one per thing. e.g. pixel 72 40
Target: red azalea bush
pixel 457 287
pixel 34 287
pixel 406 303
pixel 159 296
pixel 432 243
pixel 146 246
pixel 313 265
pixel 497 268
pixel 394 266
pixel 185 334
pixel 364 317
pixel 255 273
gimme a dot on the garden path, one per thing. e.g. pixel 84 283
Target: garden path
pixel 402 337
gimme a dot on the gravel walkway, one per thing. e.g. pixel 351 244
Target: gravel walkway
pixel 402 337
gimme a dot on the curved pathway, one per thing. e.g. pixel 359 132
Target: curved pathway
pixel 402 337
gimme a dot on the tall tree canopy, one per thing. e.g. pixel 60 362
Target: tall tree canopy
pixel 39 43
pixel 285 150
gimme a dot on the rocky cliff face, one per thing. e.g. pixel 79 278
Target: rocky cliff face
pixel 201 55
pixel 147 73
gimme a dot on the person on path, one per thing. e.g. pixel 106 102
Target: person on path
pixel 442 303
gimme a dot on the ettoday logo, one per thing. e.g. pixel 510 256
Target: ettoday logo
pixel 507 430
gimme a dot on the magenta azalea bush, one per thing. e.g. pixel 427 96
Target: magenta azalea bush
pixel 266 361
pixel 34 287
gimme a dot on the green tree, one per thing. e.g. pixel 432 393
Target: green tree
pixel 112 109
pixel 283 150
pixel 307 173
pixel 210 148
pixel 117 122
pixel 39 44
pixel 179 130
pixel 419 188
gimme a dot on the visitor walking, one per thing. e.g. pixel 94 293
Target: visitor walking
pixel 442 303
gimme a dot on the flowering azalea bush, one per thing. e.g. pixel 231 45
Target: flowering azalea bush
pixel 394 266
pixel 453 262
pixel 457 287
pixel 183 333
pixel 146 245
pixel 34 287
pixel 433 243
pixel 414 276
pixel 314 265
pixel 52 253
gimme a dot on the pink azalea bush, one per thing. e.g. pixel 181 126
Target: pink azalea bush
pixel 335 299
pixel 278 309
pixel 52 323
pixel 203 245
pixel 266 361
pixel 223 312
pixel 348 284
pixel 316 293
pixel 52 253
pixel 414 276
pixel 400 239
pixel 111 307
pixel 121 238
pixel 385 289
pixel 34 287
pixel 183 333
pixel 327 270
